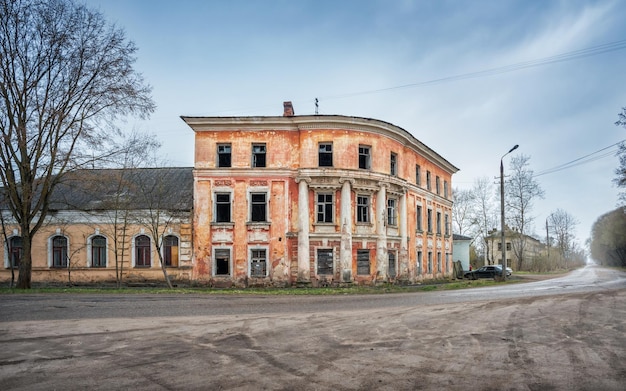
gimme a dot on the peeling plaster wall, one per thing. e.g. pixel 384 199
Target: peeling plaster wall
pixel 292 235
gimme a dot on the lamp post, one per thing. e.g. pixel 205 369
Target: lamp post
pixel 502 240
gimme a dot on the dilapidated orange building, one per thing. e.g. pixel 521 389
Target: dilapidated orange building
pixel 317 199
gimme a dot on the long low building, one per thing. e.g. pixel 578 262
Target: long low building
pixel 280 200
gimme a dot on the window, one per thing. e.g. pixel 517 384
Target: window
pixel 222 262
pixel 438 262
pixel 325 155
pixel 428 180
pixel 258 205
pixel 223 155
pixel 392 217
pixel 437 185
pixel 170 251
pixel 429 221
pixel 98 251
pixel 363 262
pixel 418 217
pixel 393 164
pixel 324 208
pixel 499 246
pixel 446 225
pixel 258 155
pixel 419 263
pixel 438 223
pixel 222 207
pixel 142 251
pixel 364 157
pixel 59 251
pixel 445 189
pixel 508 246
pixel 418 175
pixel 325 262
pixel 362 209
pixel 16 251
pixel 258 263
pixel 430 262
pixel 392 263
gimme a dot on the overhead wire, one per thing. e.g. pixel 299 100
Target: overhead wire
pixel 606 151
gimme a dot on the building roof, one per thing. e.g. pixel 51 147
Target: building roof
pixel 168 188
pixel 460 237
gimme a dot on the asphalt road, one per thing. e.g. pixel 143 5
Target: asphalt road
pixel 562 333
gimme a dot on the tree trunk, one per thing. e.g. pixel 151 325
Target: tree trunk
pixel 24 277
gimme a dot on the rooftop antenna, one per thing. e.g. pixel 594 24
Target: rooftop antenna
pixel 316 106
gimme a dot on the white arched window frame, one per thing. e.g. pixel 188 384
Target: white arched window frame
pixel 90 249
pixel 57 252
pixel 9 250
pixel 145 251
pixel 167 250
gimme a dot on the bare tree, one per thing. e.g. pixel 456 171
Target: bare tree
pixel 463 210
pixel 64 74
pixel 485 215
pixel 563 226
pixel 520 192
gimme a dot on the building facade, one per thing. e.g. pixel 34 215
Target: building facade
pixel 319 200
pixel 515 243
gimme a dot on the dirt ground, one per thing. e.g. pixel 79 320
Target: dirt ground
pixel 572 342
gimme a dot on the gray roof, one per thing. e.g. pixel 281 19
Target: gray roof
pixel 168 188
pixel 460 237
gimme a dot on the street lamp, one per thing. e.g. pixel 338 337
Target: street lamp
pixel 502 213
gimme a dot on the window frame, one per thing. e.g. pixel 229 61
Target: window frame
pixel 224 155
pixel 217 208
pixel 393 164
pixel 215 264
pixel 253 203
pixel 62 251
pixel 438 222
pixel 325 204
pixel 100 251
pixel 363 210
pixel 429 220
pixel 418 175
pixel 13 250
pixel 392 259
pixel 428 180
pixel 255 257
pixel 365 157
pixel 257 154
pixel 392 212
pixel 168 254
pixel 419 225
pixel 437 184
pixel 360 258
pixel 319 268
pixel 142 251
pixel 328 155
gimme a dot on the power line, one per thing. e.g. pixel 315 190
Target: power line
pixel 582 160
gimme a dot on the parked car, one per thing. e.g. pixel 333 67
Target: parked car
pixel 509 271
pixel 489 271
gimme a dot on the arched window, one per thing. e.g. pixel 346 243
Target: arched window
pixel 170 251
pixel 59 251
pixel 142 251
pixel 98 251
pixel 16 250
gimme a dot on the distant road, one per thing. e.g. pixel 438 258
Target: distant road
pixel 23 307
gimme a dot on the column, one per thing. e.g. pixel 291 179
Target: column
pixel 345 251
pixel 381 233
pixel 304 268
pixel 403 257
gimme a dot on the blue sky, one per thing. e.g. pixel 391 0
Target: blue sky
pixel 237 57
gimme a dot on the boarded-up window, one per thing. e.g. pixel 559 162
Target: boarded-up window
pixel 170 251
pixel 258 263
pixel 222 262
pixel 363 262
pixel 325 261
pixel 392 263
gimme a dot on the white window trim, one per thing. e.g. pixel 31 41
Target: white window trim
pixel 256 190
pixel 50 239
pixel 267 262
pixel 214 261
pixel 217 191
pixel 162 246
pixel 333 212
pixel 153 262
pixel 7 255
pixel 89 252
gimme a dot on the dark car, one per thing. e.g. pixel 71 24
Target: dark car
pixel 489 271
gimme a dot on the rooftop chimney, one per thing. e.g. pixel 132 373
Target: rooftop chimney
pixel 288 109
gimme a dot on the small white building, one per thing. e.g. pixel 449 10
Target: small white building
pixel 461 250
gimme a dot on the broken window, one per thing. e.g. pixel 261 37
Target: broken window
pixel 325 261
pixel 363 262
pixel 419 263
pixel 222 262
pixel 430 262
pixel 258 206
pixel 325 155
pixel 437 185
pixel 258 155
pixel 418 175
pixel 392 263
pixel 364 157
pixel 429 221
pixel 222 207
pixel 418 217
pixel 362 209
pixel 258 263
pixel 438 223
pixel 223 155
pixel 392 216
pixel 438 262
pixel 325 208
pixel 428 180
